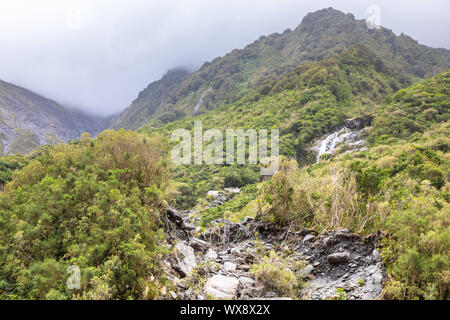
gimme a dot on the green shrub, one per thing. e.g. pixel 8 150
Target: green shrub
pixel 276 274
pixel 93 204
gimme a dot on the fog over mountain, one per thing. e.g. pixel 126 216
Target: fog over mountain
pixel 97 55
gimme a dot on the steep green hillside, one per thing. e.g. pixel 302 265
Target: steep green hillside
pixel 400 185
pixel 411 111
pixel 310 101
pixel 29 120
pixel 98 203
pixel 321 35
pixel 150 99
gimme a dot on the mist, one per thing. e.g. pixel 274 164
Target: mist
pixel 98 55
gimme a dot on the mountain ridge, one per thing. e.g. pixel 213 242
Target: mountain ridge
pixel 157 93
pixel 320 35
pixel 28 119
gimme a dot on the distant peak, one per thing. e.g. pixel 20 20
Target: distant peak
pixel 328 14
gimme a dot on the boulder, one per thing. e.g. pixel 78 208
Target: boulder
pixel 229 266
pixel 174 216
pixel 339 257
pixel 178 220
pixel 211 254
pixel 305 272
pixel 222 287
pixel 308 237
pixel 185 258
pixel 246 281
pixel 188 226
pixel 359 122
pixel 199 245
pixel 212 194
pixel 304 232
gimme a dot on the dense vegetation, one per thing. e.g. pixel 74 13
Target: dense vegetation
pixel 411 111
pixel 400 185
pixel 97 203
pixel 320 35
pixel 306 103
pixel 9 164
pixel 193 182
pixel 93 203
pixel 402 189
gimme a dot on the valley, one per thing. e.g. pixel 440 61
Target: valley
pixel 359 208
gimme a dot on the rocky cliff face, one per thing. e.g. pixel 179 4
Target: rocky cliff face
pixel 28 120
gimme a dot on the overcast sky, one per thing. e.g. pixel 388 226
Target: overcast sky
pixel 98 54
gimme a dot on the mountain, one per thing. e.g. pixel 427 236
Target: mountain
pixel 28 120
pixel 367 224
pixel 307 102
pixel 320 35
pixel 310 101
pixel 150 99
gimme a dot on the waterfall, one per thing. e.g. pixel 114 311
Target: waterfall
pixel 200 101
pixel 344 135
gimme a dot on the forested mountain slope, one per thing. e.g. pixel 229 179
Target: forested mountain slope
pixel 101 204
pixel 150 99
pixel 320 35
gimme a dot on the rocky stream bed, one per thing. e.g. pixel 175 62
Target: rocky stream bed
pixel 216 263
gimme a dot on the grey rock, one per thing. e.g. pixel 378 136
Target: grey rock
pixel 211 254
pixel 328 241
pixel 229 266
pixel 222 287
pixel 174 216
pixel 270 294
pixel 307 271
pixel 376 254
pixel 304 232
pixel 185 257
pixel 358 122
pixel 244 267
pixel 188 226
pixel 199 245
pixel 212 193
pixel 236 251
pixel 337 258
pixel 308 237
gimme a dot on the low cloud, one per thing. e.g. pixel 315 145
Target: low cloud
pixel 97 55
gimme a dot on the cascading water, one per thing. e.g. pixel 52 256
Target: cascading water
pixel 200 101
pixel 342 136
